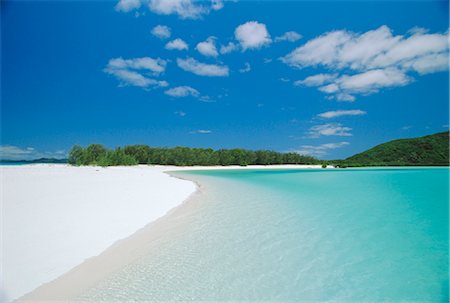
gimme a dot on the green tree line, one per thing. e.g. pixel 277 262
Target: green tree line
pixel 97 154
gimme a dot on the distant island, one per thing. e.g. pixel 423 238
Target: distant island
pixel 35 161
pixel 431 150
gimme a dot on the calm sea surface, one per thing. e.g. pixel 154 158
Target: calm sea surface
pixel 339 235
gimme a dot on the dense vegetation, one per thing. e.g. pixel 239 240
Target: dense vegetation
pixel 432 150
pixel 96 154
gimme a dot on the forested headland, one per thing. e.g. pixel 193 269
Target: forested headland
pixel 431 150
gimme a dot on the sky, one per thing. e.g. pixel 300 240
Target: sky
pixel 328 79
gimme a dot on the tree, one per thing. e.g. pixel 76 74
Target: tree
pixel 140 152
pixel 94 152
pixel 77 155
pixel 116 157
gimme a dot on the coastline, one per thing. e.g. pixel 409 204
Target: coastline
pixel 183 189
pixel 54 217
pixel 74 283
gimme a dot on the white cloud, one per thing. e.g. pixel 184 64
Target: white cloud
pixel 344 97
pixel 316 80
pixel 161 31
pixel 131 71
pixel 127 5
pixel 428 64
pixel 156 66
pixel 201 131
pixel 319 150
pixel 289 36
pixel 177 44
pixel 372 80
pixel 370 61
pixel 330 88
pixel 11 152
pixel 252 35
pixel 208 47
pixel 343 88
pixel 182 91
pixel 230 47
pixel 185 9
pixel 216 4
pixel 202 69
pixel 321 50
pixel 407 127
pixel 330 129
pixel 367 83
pixel 246 68
pixel 373 49
pixel 340 113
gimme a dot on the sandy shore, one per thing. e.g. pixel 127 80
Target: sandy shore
pixel 56 217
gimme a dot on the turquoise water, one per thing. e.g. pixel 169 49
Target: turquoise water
pixel 335 235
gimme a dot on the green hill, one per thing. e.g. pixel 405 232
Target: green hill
pixel 432 150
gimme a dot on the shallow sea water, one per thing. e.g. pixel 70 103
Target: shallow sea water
pixel 335 235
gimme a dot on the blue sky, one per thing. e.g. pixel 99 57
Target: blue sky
pixel 325 78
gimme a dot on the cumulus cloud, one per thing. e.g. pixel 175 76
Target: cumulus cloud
pixel 319 150
pixel 289 36
pixel 252 35
pixel 330 129
pixel 135 71
pixel 127 5
pixel 208 47
pixel 11 152
pixel 155 66
pixel 246 68
pixel 161 31
pixel 316 80
pixel 429 64
pixel 340 113
pixel 373 49
pixel 370 61
pixel 177 44
pixel 200 131
pixel 230 47
pixel 182 91
pixel 184 9
pixel 202 69
pixel 366 83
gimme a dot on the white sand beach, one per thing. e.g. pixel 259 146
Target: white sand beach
pixel 55 217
